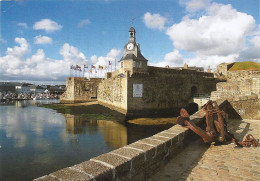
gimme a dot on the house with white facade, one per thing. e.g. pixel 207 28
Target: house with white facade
pixel 23 88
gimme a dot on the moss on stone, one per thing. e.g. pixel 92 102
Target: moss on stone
pixel 153 121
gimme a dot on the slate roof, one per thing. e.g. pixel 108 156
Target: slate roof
pixel 132 29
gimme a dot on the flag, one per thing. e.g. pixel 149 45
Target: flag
pixel 85 66
pixel 93 67
pixel 71 67
pixel 100 67
pixel 109 62
pixel 90 71
pixel 78 67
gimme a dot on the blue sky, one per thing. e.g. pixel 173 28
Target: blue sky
pixel 40 39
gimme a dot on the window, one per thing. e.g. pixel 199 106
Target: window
pixel 122 65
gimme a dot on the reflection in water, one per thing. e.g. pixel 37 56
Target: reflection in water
pixel 36 141
pixel 115 134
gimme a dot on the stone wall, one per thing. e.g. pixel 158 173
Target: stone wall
pixel 242 90
pixel 164 91
pixel 239 83
pixel 242 75
pixel 222 69
pixel 248 107
pixel 78 89
pixel 112 93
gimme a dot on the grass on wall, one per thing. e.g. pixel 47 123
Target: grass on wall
pixel 245 66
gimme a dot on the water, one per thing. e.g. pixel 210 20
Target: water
pixel 35 141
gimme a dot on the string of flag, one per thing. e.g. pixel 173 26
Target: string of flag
pixel 92 69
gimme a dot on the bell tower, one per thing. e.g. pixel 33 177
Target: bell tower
pixel 132 61
pixel 132 35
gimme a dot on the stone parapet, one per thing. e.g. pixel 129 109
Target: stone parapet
pixel 135 161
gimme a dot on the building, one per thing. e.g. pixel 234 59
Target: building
pixel 137 89
pixel 22 88
pixel 199 69
pixel 35 89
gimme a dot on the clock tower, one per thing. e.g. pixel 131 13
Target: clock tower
pixel 132 61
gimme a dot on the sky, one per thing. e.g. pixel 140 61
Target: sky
pixel 41 39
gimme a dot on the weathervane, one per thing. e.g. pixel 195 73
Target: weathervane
pixel 132 21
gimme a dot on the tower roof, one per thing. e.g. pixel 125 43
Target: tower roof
pixel 132 29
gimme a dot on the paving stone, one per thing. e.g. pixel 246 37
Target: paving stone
pixel 226 162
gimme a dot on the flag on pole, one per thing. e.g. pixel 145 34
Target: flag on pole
pixel 90 71
pixel 85 66
pixel 93 67
pixel 109 62
pixel 100 67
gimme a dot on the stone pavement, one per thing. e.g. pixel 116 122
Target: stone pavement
pixel 224 162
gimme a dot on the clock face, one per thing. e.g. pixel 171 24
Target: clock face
pixel 130 46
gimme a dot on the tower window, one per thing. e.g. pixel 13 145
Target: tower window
pixel 131 34
pixel 137 64
pixel 122 65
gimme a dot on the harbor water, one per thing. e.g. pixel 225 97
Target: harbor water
pixel 35 141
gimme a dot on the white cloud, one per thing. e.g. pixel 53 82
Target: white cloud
pixel 218 36
pixel 252 51
pixel 222 32
pixel 173 59
pixel 42 40
pixel 154 21
pixel 84 22
pixel 94 59
pixel 18 51
pixel 47 25
pixel 16 65
pixel 113 55
pixel 23 25
pixel 195 5
pixel 173 56
pixel 72 54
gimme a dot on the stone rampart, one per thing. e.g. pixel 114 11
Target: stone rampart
pixel 163 91
pixel 239 84
pixel 78 89
pixel 112 93
pixel 242 75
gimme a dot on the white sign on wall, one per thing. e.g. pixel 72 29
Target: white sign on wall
pixel 137 90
